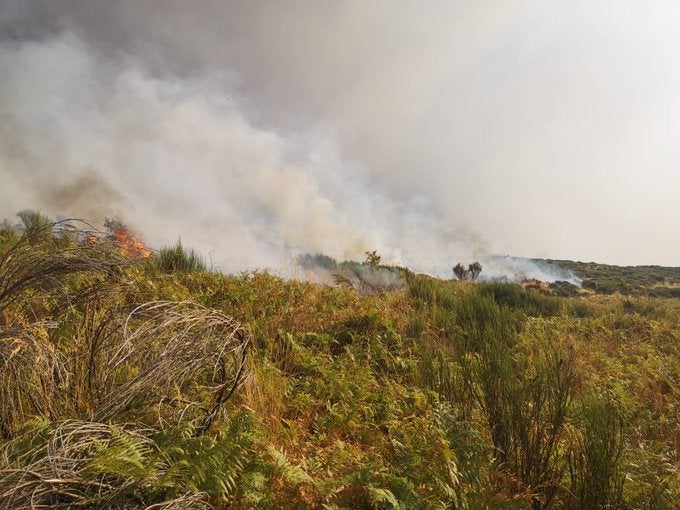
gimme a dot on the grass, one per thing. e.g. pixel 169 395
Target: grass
pixel 178 259
pixel 657 281
pixel 127 383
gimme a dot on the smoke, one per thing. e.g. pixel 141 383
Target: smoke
pixel 179 157
pixel 256 131
pixel 517 269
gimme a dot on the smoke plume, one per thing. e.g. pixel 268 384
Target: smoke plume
pixel 256 131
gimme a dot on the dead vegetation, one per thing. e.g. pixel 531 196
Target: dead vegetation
pixel 72 344
pixel 84 464
pixel 175 346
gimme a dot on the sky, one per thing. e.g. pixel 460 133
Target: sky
pixel 433 132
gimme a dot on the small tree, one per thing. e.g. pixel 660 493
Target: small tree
pixel 460 271
pixel 372 259
pixel 474 269
pixel 113 225
pixel 471 273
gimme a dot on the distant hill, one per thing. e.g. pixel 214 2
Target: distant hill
pixel 656 281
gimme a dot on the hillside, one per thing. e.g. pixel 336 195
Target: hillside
pixel 133 379
pixel 656 281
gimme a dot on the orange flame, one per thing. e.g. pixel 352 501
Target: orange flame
pixel 535 283
pixel 129 245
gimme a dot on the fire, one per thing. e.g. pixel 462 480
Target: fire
pixel 129 245
pixel 534 283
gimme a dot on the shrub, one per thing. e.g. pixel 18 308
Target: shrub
pixel 595 459
pixel 524 399
pixel 172 259
pixel 532 302
pixel 33 222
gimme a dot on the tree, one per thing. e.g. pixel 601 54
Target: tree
pixel 474 269
pixel 372 259
pixel 471 273
pixel 460 271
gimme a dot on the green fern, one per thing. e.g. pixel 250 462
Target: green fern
pixel 123 456
pixel 208 465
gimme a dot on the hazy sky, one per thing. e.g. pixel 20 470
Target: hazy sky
pixel 431 131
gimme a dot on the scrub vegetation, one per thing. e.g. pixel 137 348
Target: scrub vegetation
pixel 132 379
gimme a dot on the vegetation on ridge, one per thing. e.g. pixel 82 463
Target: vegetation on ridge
pixel 128 383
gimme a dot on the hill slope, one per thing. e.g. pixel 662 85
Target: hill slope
pixel 603 278
pixel 149 382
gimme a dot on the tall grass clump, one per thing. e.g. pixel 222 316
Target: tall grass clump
pixel 532 302
pixel 428 291
pixel 178 259
pixel 595 460
pixel 35 266
pixel 524 397
pixel 33 222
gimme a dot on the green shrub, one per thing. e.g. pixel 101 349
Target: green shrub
pixel 524 398
pixel 428 291
pixel 533 302
pixel 595 459
pixel 311 262
pixel 34 222
pixel 178 259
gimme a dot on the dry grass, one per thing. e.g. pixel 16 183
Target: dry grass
pixel 53 473
pixel 177 346
pixel 56 468
pixel 34 267
pixel 31 371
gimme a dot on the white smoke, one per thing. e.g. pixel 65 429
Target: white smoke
pixel 180 158
pixel 258 130
pixel 516 269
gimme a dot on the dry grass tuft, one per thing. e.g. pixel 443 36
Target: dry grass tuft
pixel 54 469
pixel 31 371
pixel 177 346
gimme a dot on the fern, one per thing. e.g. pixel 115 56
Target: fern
pixel 290 473
pixel 208 465
pixel 379 498
pixel 123 456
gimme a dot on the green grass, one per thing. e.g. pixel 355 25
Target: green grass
pixel 658 281
pixel 178 259
pixel 140 382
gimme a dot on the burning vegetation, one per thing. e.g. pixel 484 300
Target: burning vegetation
pixel 130 246
pixel 535 283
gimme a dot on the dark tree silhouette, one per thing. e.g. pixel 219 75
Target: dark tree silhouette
pixel 474 269
pixel 460 271
pixel 372 258
pixel 471 273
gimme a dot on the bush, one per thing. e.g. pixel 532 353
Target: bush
pixel 532 302
pixel 33 222
pixel 428 291
pixel 595 460
pixel 177 259
pixel 524 399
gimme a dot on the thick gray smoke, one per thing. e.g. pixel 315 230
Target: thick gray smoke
pixel 91 137
pixel 259 130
